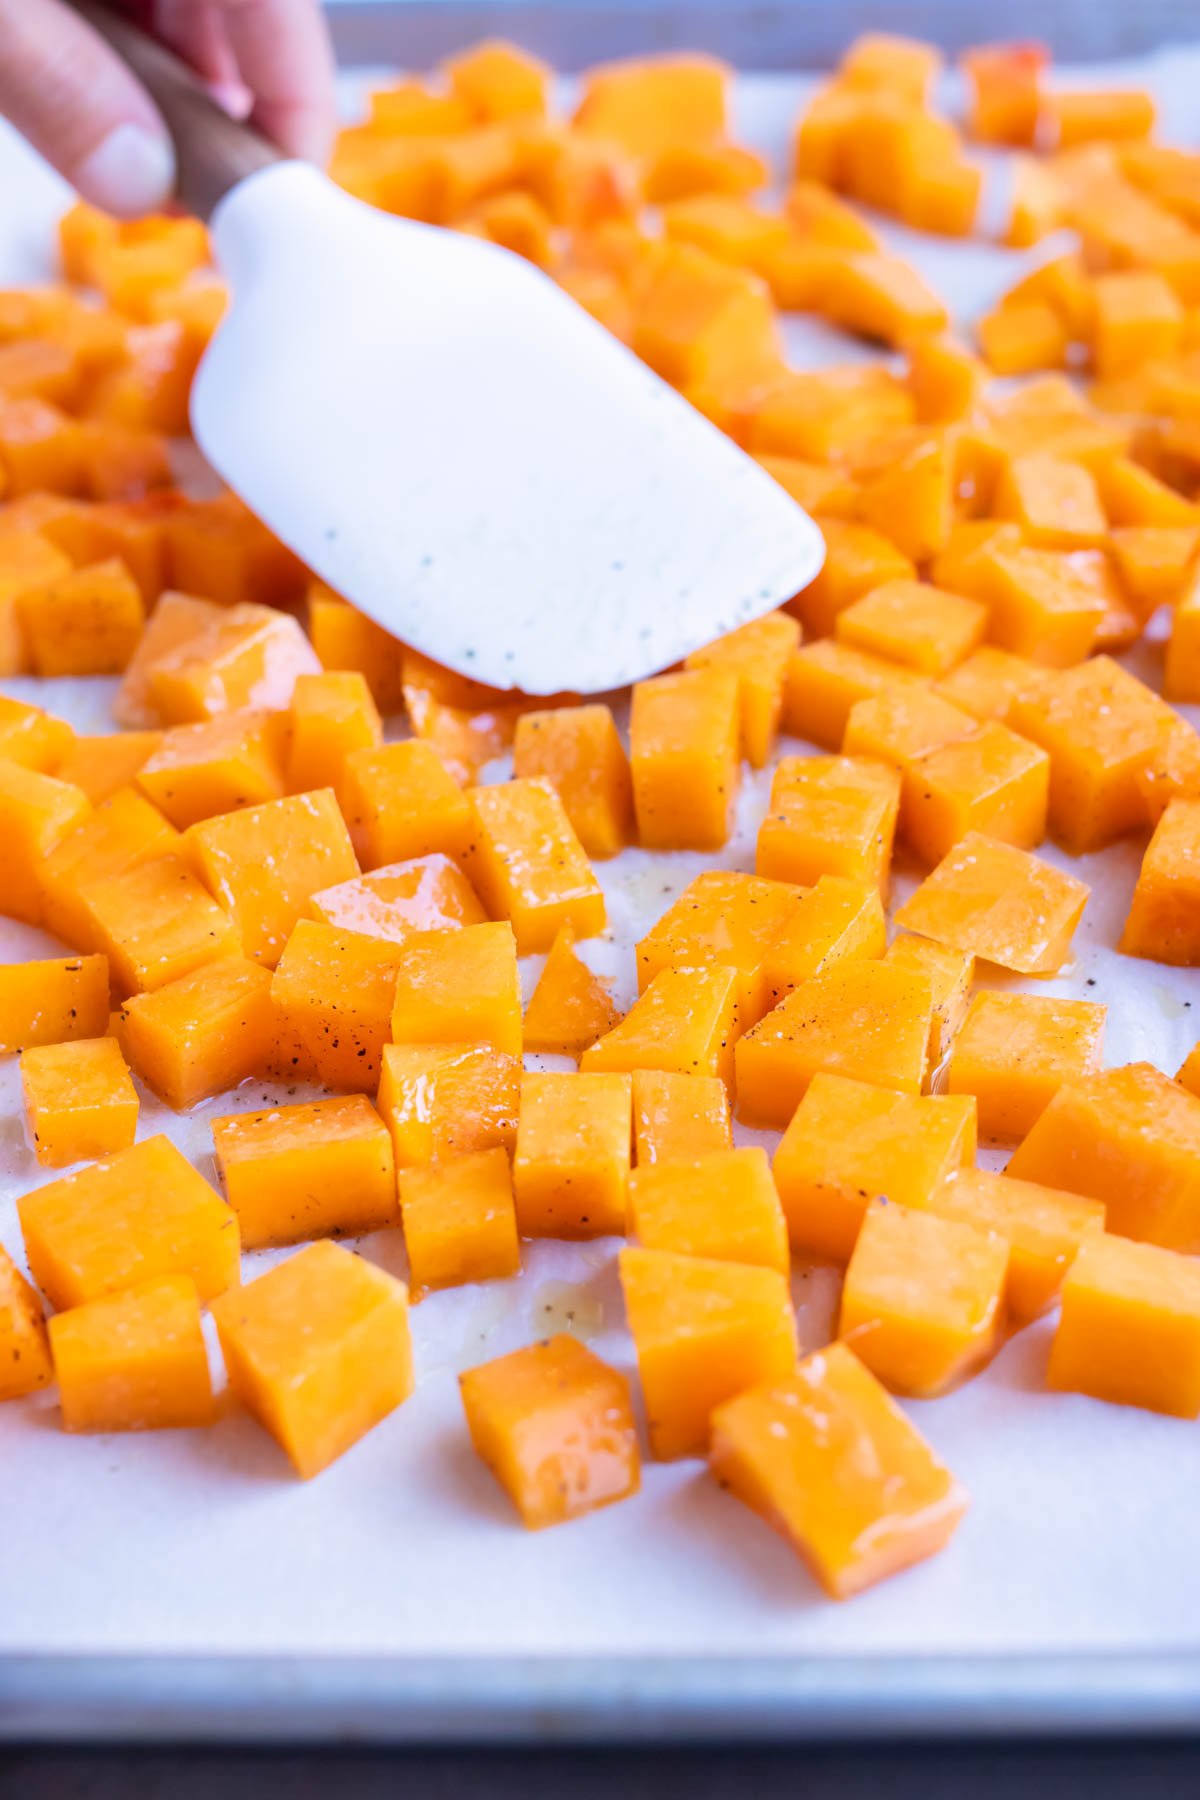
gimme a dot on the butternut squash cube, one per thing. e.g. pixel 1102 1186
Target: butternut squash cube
pixel 704 1330
pixel 999 903
pixel 858 559
pixel 950 973
pixel 459 987
pixel 324 1169
pixel 34 738
pixel 577 749
pixel 155 924
pixel 726 917
pixel 400 802
pixel 861 1019
pixel 1154 562
pixel 827 679
pixel 912 623
pixel 122 832
pixel 102 766
pixel 1005 92
pixel 1164 915
pixel 218 548
pixel 647 104
pixel 829 1459
pixel 1130 1327
pixel 460 1222
pixel 1173 773
pixel 574 1144
pixel 812 485
pixel 1137 318
pixel 1016 1050
pixel 901 724
pixel 1074 116
pixel 946 380
pixel 177 621
pixel 570 1007
pixel 244 656
pixel 823 414
pixel 684 736
pixel 443 1101
pixel 79 1101
pixel 881 296
pixel 1023 337
pixel 722 1205
pixel 555 1426
pixel 25 1364
pixel 884 60
pixel 346 640
pixel 757 654
pixel 677 1118
pixel 332 995
pixel 319 1350
pixel 136 1216
pixel 731 229
pixel 217 766
pixel 988 683
pixel 1056 503
pixel 835 921
pixel 1181 675
pixel 697 321
pixel 912 501
pixel 1129 1137
pixel 134 1361
pixel 331 715
pixel 528 866
pixel 923 1297
pixel 426 893
pixel 265 863
pixel 1040 604
pixel 685 1022
pixel 57 1001
pixel 849 1143
pixel 88 623
pixel 495 80
pixel 202 1034
pixel 36 812
pixel 992 781
pixel 830 815
pixel 681 170
pixel 1043 1227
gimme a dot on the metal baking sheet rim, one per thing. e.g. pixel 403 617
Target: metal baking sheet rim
pixel 269 1699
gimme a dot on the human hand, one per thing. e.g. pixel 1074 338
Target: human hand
pixel 72 97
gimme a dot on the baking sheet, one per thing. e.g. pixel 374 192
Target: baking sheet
pixel 187 1582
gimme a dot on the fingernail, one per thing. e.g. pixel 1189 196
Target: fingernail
pixel 130 173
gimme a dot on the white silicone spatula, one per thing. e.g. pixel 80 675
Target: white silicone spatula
pixel 450 441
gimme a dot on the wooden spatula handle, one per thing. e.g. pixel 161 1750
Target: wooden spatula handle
pixel 213 151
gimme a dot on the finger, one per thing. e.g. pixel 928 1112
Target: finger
pixel 81 107
pixel 285 58
pixel 195 30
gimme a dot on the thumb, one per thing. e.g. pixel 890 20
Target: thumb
pixel 79 105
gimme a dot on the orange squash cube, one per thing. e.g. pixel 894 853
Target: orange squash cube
pixel 202 1034
pixel 1056 503
pixel 570 1007
pixel 684 1022
pixel 577 749
pixel 912 623
pixel 1173 772
pixel 731 229
pixel 25 1364
pixel 555 1426
pixel 1023 337
pixel 684 737
pixel 134 1361
pixel 698 322
pixel 827 679
pixel 988 683
pixel 216 766
pixel 1004 82
pixel 427 893
pixel 1181 675
pixel 1001 904
pixel 812 485
pixel 950 974
pixel 34 738
pixel 1136 318
pixel 1043 1227
pixel 912 501
pixel 528 866
pixel 1040 605
pixel 177 621
pixel 102 765
pixel 835 921
pixel 824 414
pixel 722 1205
pixel 1154 562
pixel 858 559
pixel 574 1144
pixel 829 1459
pixel 861 1019
pixel 830 815
pixel 881 296
pixel 885 60
pixel 646 104
pixel 156 924
pixel 459 987
pixel 57 1001
pixel 677 1118
pixel 324 1169
pixel 331 715
pixel 218 549
pixel 1164 915
pixel 122 832
pixel 400 802
pixel 901 724
pixel 460 1222
pixel 496 80
pixel 682 170
pixel 345 639
pixel 446 1101
pixel 1072 116
pixel 758 655
pixel 1130 1327
pixel 41 449
pixel 79 1101
pixel 26 560
pixel 88 623
pixel 946 380
pixel 137 1216
pixel 724 917
pixel 319 1350
pixel 36 813
pixel 992 781
pixel 332 996
pixel 241 656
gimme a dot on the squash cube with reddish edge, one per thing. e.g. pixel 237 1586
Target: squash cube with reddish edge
pixel 923 1297
pixel 333 993
pixel 1164 915
pixel 155 924
pixel 34 738
pixel 122 832
pixel 101 766
pixel 574 1145
pixel 1129 1137
pixel 443 1101
pixel 865 1020
pixel 1039 605
pixel 528 866
pixel 25 1364
pixel 684 735
pixel 134 1217
pixel 1129 1331
pixel 331 715
pixel 318 1350
pixel 1102 729
pixel 400 802
pixel 460 1221
pixel 216 766
pixel 950 973
pixel 87 623
pixel 991 781
pixel 1004 92
pixel 570 1007
pixel 849 1143
pixel 56 1001
pixel 555 1426
pixel 727 917
pixel 825 681
pixel 757 654
pixel 1043 1227
pixel 426 893
pixel 988 683
pixel 722 1205
pixel 900 724
pixel 915 624
pixel 178 620
pixel 858 559
pixel 578 750
pixel 1181 675
pixel 999 903
pixel 79 1101
pixel 36 813
pixel 203 1034
pixel 830 815
pixel 459 987
pixel 265 863
pixel 134 1361
pixel 217 548
pixel 830 1460
pixel 835 921
pixel 346 640
pixel 1015 1051
pixel 323 1169
pixel 1056 503
pixel 678 1117
pixel 245 656
pixel 704 1330
pixel 685 1022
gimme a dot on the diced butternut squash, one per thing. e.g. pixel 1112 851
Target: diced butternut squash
pixel 25 1364
pixel 992 781
pixel 102 765
pixel 726 917
pixel 528 866
pixel 826 679
pixel 202 1034
pixel 574 1144
pixel 1164 915
pixel 156 924
pixel 912 623
pixel 134 1361
pixel 324 1169
pixel 123 832
pixel 722 1205
pixel 34 738
pixel 460 1222
pixel 1130 1327
pixel 54 1002
pixel 345 639
pixel 678 1117
pixel 496 80
pixel 950 973
pixel 1040 605
pixel 858 559
pixel 570 1007
pixel 242 656
pixel 697 321
pixel 830 815
pixel 577 749
pixel 88 623
pixel 648 104
pixel 1043 1227
pixel 836 920
pixel 332 995
pixel 987 684
pixel 1004 82
pixel 682 170
pixel 684 1022
pixel 177 621
pixel 684 736
pixel 884 60
pixel 36 813
pixel 1023 337
pixel 999 903
pixel 400 802
pixel 1173 773
pixel 445 1101
pixel 1071 116
pixel 459 987
pixel 901 724
pixel 1056 503
pixel 218 549
pixel 331 715
pixel 881 296
pixel 319 1350
pixel 758 655
pixel 427 893
pixel 912 501
pixel 1137 318
pixel 1155 561
pixel 216 766
pixel 79 1101
pixel 1016 1050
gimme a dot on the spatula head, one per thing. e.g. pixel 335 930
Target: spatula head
pixel 461 451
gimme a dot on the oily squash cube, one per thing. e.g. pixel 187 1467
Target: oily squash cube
pixel 333 995
pixel 56 1001
pixel 684 745
pixel 834 921
pixel 79 1101
pixel 648 104
pixel 345 639
pixel 686 1021
pixel 923 1298
pixel 571 1165
pixel 861 1019
pixel 426 893
pixel 758 655
pixel 578 750
pixel 332 715
pixel 912 500
pixel 1136 318
pixel 324 1169
pixel 217 766
pixel 459 987
pixel 1130 1327
pixel 1181 674
pixel 829 1459
pixel 36 813
pixel 1004 97
pixel 26 561
pixel 34 738
pixel 1129 1137
pixel 134 1361
pixel 319 1350
pixel 1040 605
pixel 703 1331
pixel 400 802
pixel 156 924
pixel 528 866
pixel 460 1221
pixel 25 1364
pixel 241 656
pixel 1000 904
pixel 678 1117
pixel 723 917
pixel 880 296
pixel 991 781
pixel 555 1426
pixel 988 683
pixel 698 322
pixel 121 833
pixel 1174 772
pixel 1043 1227
pixel 102 766
pixel 87 623
pixel 1056 503
pixel 849 1143
pixel 445 1101
pixel 830 815
pixel 134 1217
pixel 945 379
pixel 858 559
pixel 915 624
pixel 570 1007
pixel 826 680
pixel 1016 1050
pixel 722 1205
pixel 1164 915
pixel 901 724
pixel 177 620
pixel 203 1034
